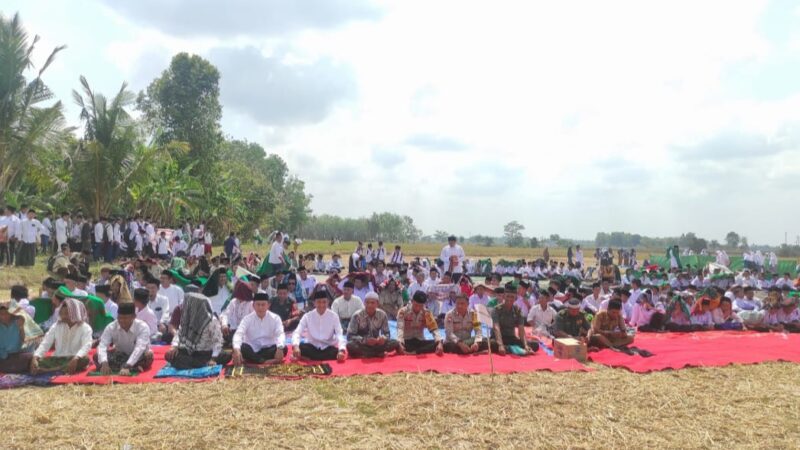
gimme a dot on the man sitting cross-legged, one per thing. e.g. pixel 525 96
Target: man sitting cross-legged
pixel 198 341
pixel 459 325
pixel 368 331
pixel 609 331
pixel 324 340
pixel 72 338
pixel 509 326
pixel 412 320
pixel 571 321
pixel 260 336
pixel 124 344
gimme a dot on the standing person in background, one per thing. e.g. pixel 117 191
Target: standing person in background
pixel 98 238
pixel 12 222
pixel 397 256
pixel 380 253
pixel 29 230
pixel 85 235
pixel 569 255
pixel 276 254
pixel 62 229
pixel 453 257
pixel 207 241
pixel 47 229
pixel 229 244
pixel 579 256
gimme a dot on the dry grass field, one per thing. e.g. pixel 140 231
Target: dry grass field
pixel 731 407
pixel 753 406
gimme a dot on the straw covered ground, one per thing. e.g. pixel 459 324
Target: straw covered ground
pixel 732 407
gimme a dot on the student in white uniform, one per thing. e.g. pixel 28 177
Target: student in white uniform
pixel 260 336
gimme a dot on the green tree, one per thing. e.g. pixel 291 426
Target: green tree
pixel 513 234
pixel 440 235
pixel 111 154
pixel 732 239
pixel 28 130
pixel 183 105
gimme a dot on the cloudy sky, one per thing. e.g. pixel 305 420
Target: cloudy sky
pixel 570 117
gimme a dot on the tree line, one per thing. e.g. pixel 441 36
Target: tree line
pixel 379 226
pixel 169 162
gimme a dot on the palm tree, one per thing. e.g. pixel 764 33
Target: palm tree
pixel 26 130
pixel 111 154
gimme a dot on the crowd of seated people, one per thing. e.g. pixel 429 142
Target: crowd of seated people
pixel 214 309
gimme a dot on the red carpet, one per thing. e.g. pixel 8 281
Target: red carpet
pixel 447 363
pixel 144 377
pixel 704 349
pixel 454 364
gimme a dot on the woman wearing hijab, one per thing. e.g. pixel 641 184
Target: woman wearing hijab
pixel 390 298
pixel 119 290
pixel 217 290
pixel 14 331
pixel 198 341
pixel 72 338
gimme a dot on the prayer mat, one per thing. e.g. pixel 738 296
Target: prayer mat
pixel 289 370
pixel 703 349
pixel 113 373
pixel 201 372
pixel 148 376
pixel 52 362
pixel 13 380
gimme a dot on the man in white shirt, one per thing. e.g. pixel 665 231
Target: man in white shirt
pixel 173 293
pixel 158 303
pixel 62 228
pixel 397 255
pixel 141 300
pixel 99 227
pixel 27 233
pixel 579 256
pixel 103 292
pixel 47 227
pixel 324 340
pixel 276 256
pixel 542 317
pixel 453 257
pixel 12 222
pixel 418 284
pixel 591 303
pixel 347 305
pixel 260 337
pixel 479 297
pixel 117 240
pixel 335 264
pixel 130 339
pixel 380 253
pixel 162 246
pixel 306 282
